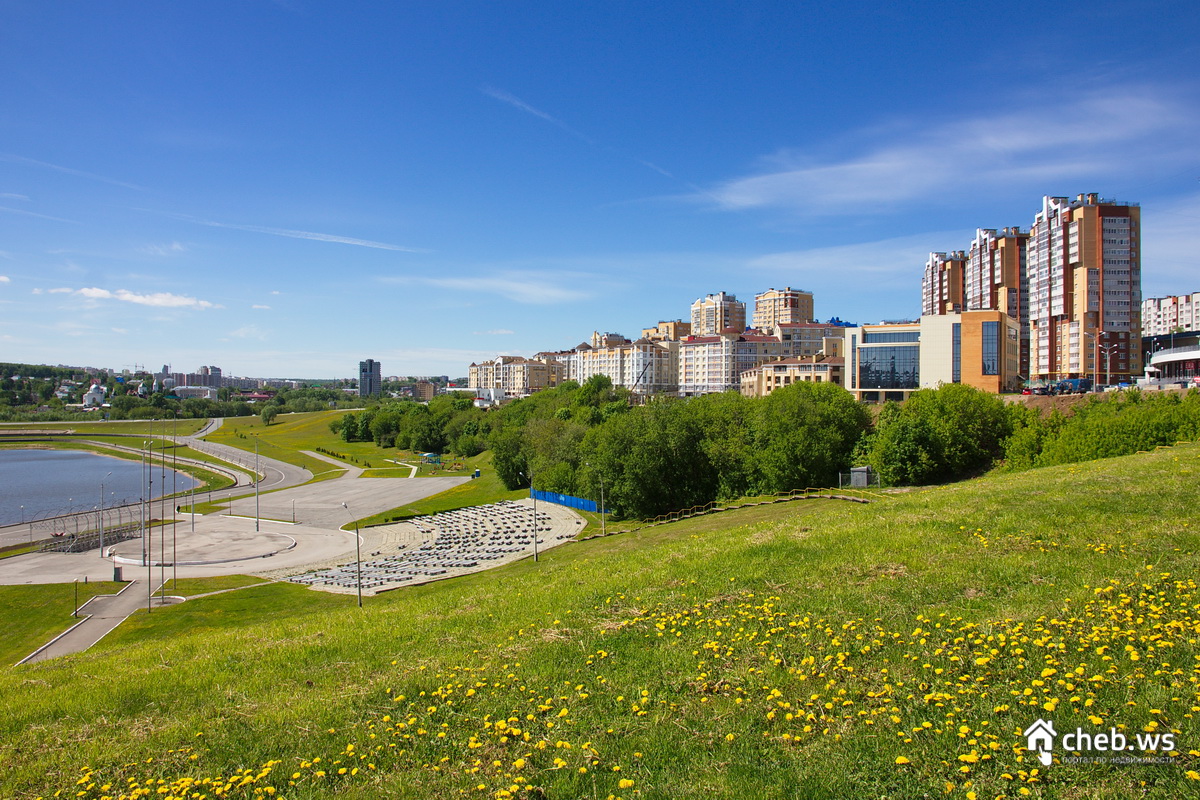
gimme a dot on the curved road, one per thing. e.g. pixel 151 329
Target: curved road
pixel 276 475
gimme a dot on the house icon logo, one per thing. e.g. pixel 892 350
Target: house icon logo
pixel 1040 736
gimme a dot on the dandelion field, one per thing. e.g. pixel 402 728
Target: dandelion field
pixel 809 649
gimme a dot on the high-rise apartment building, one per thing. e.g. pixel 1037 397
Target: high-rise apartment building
pixel 716 314
pixel 370 378
pixel 667 331
pixel 942 285
pixel 1085 295
pixel 779 306
pixel 645 367
pixel 1166 315
pixel 716 363
pixel 996 279
pixel 515 376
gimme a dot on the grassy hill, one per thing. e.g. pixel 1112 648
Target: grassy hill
pixel 810 649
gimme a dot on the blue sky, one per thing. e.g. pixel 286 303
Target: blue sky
pixel 286 188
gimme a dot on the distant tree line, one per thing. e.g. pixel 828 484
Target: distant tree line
pixel 674 453
pixel 27 393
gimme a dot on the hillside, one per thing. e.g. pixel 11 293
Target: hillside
pixel 810 649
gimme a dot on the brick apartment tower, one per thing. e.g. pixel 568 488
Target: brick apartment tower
pixel 942 286
pixel 779 306
pixel 716 313
pixel 1085 289
pixel 996 279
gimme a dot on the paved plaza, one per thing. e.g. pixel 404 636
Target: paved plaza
pixel 315 550
pixel 257 536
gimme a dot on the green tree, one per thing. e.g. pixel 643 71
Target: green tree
pixel 804 435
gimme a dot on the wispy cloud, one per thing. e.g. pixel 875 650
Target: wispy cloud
pixel 14 159
pixel 157 299
pixel 162 250
pixel 1045 143
pixel 12 196
pixel 260 307
pixel 1170 242
pixel 294 234
pixel 59 290
pixel 25 213
pixel 530 288
pixel 247 332
pixel 521 105
pixel 5 279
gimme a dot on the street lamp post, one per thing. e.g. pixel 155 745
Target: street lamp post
pixel 357 553
pixel 603 518
pixel 1108 351
pixel 256 482
pixel 535 516
pixel 102 515
pixel 1095 356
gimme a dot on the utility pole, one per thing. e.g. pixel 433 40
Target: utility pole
pixel 357 553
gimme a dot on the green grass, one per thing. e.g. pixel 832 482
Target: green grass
pixel 191 587
pixel 788 650
pixel 485 489
pixel 289 435
pixel 33 615
pixel 186 427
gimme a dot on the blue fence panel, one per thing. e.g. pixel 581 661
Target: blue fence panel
pixel 563 500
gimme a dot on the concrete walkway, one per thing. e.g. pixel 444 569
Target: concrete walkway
pixel 99 616
pixel 351 472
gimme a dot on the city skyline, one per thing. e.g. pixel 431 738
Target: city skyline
pixel 278 188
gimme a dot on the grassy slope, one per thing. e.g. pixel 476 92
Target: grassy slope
pixel 33 615
pixel 660 652
pixel 292 433
pixel 185 427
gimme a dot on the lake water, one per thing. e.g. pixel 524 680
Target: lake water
pixel 52 482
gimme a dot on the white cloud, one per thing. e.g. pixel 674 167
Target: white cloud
pixel 248 332
pixel 261 307
pixel 530 288
pixel 24 213
pixel 5 279
pixel 120 330
pixel 59 290
pixel 1171 247
pixel 518 103
pixel 1049 141
pixel 174 248
pixel 13 196
pixel 294 234
pixel 12 159
pixel 157 299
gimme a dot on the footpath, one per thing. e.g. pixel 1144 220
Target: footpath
pixel 98 617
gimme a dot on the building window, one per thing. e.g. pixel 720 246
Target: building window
pixel 888 338
pixel 956 368
pixel 991 348
pixel 890 367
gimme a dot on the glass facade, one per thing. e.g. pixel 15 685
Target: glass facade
pixel 887 338
pixel 956 356
pixel 991 348
pixel 889 367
